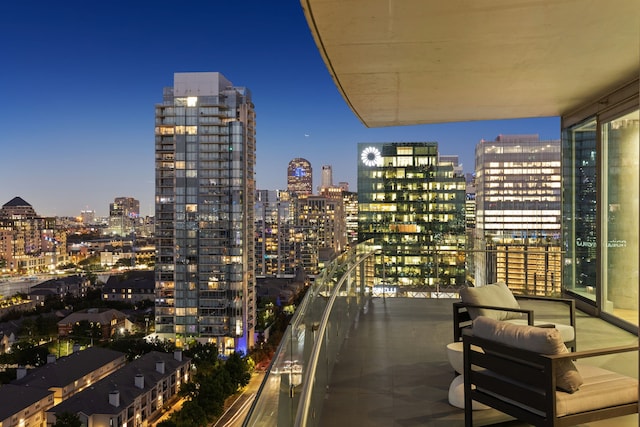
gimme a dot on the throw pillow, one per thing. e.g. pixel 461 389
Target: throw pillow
pixel 534 339
pixel 497 295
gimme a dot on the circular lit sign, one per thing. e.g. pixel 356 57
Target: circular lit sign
pixel 371 156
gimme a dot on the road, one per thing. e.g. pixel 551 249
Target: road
pixel 237 412
pixel 234 416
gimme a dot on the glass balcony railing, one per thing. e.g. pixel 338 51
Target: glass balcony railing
pixel 299 373
pixel 295 384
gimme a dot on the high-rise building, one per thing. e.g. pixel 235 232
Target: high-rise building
pixel 299 177
pixel 350 200
pixel 274 235
pixel 123 213
pixel 29 243
pixel 414 208
pixel 327 177
pixel 87 216
pixel 320 228
pixel 518 213
pixel 205 182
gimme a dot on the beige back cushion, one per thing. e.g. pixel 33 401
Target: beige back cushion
pixel 534 339
pixel 497 295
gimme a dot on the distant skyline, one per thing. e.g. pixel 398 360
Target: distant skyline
pixel 80 82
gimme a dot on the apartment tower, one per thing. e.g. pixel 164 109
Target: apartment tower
pixel 274 234
pixel 205 183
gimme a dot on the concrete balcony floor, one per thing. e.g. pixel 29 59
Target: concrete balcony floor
pixel 393 368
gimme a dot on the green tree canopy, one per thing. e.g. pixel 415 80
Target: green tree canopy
pixel 67 419
pixel 239 371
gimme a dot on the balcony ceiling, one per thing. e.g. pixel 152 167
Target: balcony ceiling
pixel 402 62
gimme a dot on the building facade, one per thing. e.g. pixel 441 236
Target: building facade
pixel 205 183
pixel 123 216
pixel 518 214
pixel 326 177
pixel 274 236
pixel 320 230
pixel 29 243
pixel 299 177
pixel 414 208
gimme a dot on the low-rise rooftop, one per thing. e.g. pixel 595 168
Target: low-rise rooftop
pixel 66 370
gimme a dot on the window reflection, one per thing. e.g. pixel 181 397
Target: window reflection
pixel 579 222
pixel 620 212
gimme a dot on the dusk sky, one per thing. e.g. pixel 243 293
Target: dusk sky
pixel 80 81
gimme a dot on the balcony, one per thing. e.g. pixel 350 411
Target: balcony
pixel 351 358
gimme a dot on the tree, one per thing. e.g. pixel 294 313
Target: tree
pixel 86 331
pixel 28 354
pixel 135 347
pixel 238 370
pixel 67 419
pixel 203 356
pixel 191 415
pixel 123 262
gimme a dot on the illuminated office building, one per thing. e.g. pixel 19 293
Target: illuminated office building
pixel 205 183
pixel 299 177
pixel 518 213
pixel 414 207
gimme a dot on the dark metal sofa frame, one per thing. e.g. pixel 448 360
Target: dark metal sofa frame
pixel 462 319
pixel 522 383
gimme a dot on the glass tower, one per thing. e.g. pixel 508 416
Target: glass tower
pixel 205 183
pixel 413 207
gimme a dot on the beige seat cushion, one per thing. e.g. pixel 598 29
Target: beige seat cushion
pixel 531 338
pixel 567 332
pixel 497 295
pixel 601 389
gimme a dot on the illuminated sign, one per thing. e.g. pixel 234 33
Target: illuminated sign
pixel 370 156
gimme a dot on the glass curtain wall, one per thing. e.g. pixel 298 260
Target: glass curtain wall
pixel 579 210
pixel 601 213
pixel 620 216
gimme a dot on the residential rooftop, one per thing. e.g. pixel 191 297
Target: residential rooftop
pixel 65 370
pixel 95 399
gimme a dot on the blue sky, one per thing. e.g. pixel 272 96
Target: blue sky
pixel 79 82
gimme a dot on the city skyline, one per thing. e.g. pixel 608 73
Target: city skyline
pixel 80 85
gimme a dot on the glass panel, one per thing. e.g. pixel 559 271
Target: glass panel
pixel 579 221
pixel 620 217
